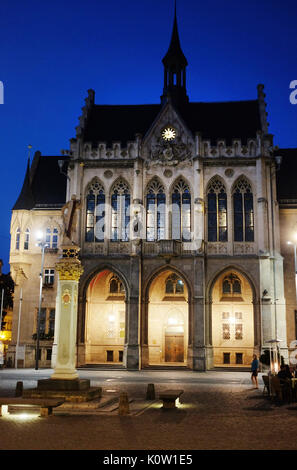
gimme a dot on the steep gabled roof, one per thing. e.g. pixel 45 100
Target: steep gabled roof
pixel 214 120
pixel 44 185
pixel 25 199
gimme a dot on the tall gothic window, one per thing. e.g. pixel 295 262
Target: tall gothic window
pixel 181 211
pixel 243 209
pixel 217 212
pixel 27 239
pixel 155 211
pixel 95 220
pixel 120 212
pixel 17 238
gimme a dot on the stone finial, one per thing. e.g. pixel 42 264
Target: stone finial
pixel 262 108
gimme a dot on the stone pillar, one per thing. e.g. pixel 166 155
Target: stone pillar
pixel 198 353
pixel 132 350
pixel 70 270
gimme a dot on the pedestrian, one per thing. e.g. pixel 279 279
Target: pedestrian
pixel 254 370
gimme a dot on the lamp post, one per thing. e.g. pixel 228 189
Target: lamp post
pixel 42 244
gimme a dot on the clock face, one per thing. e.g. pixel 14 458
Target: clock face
pixel 169 133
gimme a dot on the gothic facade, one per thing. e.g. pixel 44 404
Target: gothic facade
pixel 181 211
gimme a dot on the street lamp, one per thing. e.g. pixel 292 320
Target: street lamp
pixel 42 244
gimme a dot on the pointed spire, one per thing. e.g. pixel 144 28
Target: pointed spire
pixel 26 198
pixel 175 55
pixel 175 64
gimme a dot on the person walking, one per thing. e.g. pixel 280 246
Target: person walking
pixel 255 370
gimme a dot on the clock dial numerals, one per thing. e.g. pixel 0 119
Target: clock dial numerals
pixel 169 133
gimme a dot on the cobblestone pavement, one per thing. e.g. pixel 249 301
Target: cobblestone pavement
pixel 219 410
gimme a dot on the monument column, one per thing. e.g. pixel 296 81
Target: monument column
pixel 70 270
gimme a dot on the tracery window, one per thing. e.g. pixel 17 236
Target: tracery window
pixel 231 284
pixel 120 212
pixel 217 212
pixel 181 211
pixel 95 215
pixel 243 208
pixel 17 238
pixel 116 286
pixel 155 211
pixel 174 285
pixel 27 239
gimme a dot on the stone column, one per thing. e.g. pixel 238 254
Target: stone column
pixel 70 270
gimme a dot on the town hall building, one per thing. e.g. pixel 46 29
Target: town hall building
pixel 179 214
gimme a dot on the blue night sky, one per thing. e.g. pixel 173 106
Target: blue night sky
pixel 51 53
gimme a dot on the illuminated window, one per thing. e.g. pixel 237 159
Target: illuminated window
pixel 238 331
pixel 243 210
pixel 95 215
pixel 116 286
pixel 231 284
pixel 17 239
pixel 226 331
pixel 51 237
pixel 27 239
pixel 120 212
pixel 181 211
pixel 49 277
pixel 217 212
pixel 155 211
pixel 174 285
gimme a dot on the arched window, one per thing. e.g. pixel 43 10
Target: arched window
pixel 95 216
pixel 155 211
pixel 217 212
pixel 27 239
pixel 17 238
pixel 231 284
pixel 51 237
pixel 181 211
pixel 116 286
pixel 174 285
pixel 120 212
pixel 243 209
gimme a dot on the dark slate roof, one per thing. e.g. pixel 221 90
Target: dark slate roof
pixel 214 120
pixel 119 123
pixel 44 185
pixel 286 176
pixel 25 199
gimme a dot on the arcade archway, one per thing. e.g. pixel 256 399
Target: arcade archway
pixel 168 313
pixel 233 336
pixel 105 319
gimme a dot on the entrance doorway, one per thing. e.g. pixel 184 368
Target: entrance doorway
pixel 174 347
pixel 168 320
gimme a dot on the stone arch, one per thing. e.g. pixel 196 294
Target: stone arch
pixel 145 301
pixel 255 302
pixel 83 288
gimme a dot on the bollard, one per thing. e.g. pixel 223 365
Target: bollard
pixel 19 389
pixel 124 404
pixel 150 392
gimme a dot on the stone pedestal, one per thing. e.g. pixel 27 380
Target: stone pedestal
pixel 70 270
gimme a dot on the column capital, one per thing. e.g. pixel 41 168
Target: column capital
pixel 69 266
